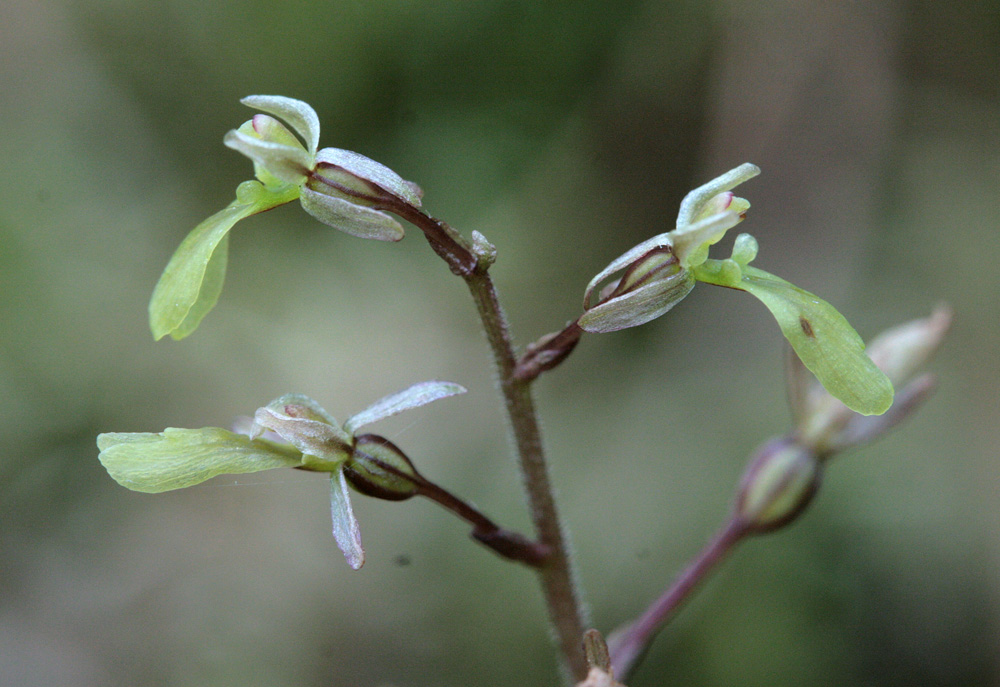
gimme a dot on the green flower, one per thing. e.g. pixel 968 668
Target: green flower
pixel 340 188
pixel 301 435
pixel 658 273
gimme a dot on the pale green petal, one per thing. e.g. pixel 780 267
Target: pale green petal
pixel 824 341
pixel 191 282
pixel 414 397
pixel 370 170
pixel 269 129
pixel 695 201
pixel 691 241
pixel 345 526
pixel 177 458
pixel 298 114
pixel 351 218
pixel 302 422
pixel 289 164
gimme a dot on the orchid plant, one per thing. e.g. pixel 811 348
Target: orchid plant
pixel 841 395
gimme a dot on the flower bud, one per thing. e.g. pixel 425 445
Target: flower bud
pixel 378 468
pixel 779 483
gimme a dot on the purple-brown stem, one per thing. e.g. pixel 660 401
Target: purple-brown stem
pixel 628 644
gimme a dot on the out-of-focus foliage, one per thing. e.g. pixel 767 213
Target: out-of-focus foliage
pixel 565 133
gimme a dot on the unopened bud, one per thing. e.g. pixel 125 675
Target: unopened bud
pixel 779 483
pixel 378 468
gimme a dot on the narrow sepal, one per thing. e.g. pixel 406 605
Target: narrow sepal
pixel 351 218
pixel 192 281
pixel 413 397
pixel 371 171
pixel 299 115
pixel 177 458
pixel 825 342
pixel 345 526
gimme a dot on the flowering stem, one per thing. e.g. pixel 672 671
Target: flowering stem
pixel 555 572
pixel 555 575
pixel 629 644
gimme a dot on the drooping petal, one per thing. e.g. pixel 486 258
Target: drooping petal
pixel 289 164
pixel 351 218
pixel 191 282
pixel 299 115
pixel 417 395
pixel 302 422
pixel 824 341
pixel 375 172
pixel 177 458
pixel 345 526
pixel 694 201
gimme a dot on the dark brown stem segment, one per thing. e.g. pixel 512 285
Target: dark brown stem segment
pixel 503 542
pixel 547 352
pixel 628 644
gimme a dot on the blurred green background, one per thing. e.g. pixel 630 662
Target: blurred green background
pixel 566 132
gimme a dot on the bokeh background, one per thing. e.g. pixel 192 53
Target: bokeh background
pixel 566 132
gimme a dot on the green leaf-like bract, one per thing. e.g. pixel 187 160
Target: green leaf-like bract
pixel 177 458
pixel 192 281
pixel 823 340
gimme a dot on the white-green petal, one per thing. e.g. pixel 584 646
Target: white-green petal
pixel 289 164
pixel 299 424
pixel 639 306
pixel 414 397
pixel 694 201
pixel 177 458
pixel 191 282
pixel 691 241
pixel 370 170
pixel 299 115
pixel 351 218
pixel 345 526
pixel 825 342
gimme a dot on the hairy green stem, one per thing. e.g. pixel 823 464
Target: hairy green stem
pixel 556 574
